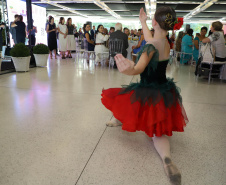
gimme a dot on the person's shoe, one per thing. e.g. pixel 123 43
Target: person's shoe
pixel 172 172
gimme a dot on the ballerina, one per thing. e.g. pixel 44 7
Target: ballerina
pixel 153 105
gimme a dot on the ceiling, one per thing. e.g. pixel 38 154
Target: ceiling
pixel 200 10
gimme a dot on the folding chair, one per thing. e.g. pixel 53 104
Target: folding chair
pixel 205 68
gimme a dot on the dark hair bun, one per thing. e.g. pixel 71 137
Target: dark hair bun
pixel 165 16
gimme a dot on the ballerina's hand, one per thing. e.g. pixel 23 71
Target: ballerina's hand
pixel 124 65
pixel 143 17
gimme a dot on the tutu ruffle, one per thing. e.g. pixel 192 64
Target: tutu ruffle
pixel 153 105
pixel 154 119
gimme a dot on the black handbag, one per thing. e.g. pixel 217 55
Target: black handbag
pixel 203 71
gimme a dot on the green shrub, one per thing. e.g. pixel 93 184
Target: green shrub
pixel 20 50
pixel 41 49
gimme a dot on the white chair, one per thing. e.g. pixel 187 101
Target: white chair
pixel 103 58
pixel 207 63
pixel 79 51
pixel 88 54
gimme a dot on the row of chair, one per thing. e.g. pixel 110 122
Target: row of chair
pixel 115 47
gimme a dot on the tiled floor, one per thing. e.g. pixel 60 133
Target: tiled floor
pixel 52 130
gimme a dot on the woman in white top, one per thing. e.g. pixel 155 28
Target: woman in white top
pixel 62 29
pixel 217 40
pixel 100 47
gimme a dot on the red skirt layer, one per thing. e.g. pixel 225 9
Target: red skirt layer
pixel 155 120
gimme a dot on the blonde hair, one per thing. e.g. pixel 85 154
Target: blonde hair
pixel 217 26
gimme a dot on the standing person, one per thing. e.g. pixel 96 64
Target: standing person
pixel 63 31
pixel 51 36
pixel 80 33
pixel 105 31
pixel 153 105
pixel 187 47
pixel 197 40
pixel 71 45
pixel 2 26
pixel 93 33
pixel 179 41
pixel 20 30
pixel 87 36
pixel 31 35
pixel 112 29
pixel 12 30
pixel 225 38
pixel 100 47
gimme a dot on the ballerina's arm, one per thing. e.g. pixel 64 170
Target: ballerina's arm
pixel 128 67
pixel 147 33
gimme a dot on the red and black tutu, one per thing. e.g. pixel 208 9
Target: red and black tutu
pixel 155 108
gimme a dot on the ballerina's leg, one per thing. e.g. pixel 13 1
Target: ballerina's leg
pixel 162 146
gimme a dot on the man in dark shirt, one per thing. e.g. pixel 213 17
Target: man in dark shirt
pixel 12 30
pixel 2 26
pixel 118 34
pixel 93 33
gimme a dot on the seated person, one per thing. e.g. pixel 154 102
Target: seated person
pixel 140 44
pixel 126 31
pixel 132 33
pixel 218 41
pixel 118 34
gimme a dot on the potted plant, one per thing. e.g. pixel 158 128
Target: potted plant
pixel 21 57
pixel 41 53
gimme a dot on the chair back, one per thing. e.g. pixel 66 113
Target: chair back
pixel 115 46
pixel 85 44
pixel 206 52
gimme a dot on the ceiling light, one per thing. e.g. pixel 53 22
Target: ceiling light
pixel 106 8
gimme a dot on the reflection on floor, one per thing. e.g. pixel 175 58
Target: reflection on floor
pixel 52 130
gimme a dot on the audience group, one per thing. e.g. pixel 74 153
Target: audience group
pixel 62 38
pixel 189 45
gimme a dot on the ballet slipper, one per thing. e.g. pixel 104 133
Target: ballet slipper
pixel 113 123
pixel 172 172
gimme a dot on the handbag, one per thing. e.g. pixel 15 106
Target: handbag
pixel 202 71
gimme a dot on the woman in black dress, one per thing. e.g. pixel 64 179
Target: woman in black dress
pixel 87 36
pixel 91 43
pixel 51 35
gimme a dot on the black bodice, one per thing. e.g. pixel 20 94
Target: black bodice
pixel 158 75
